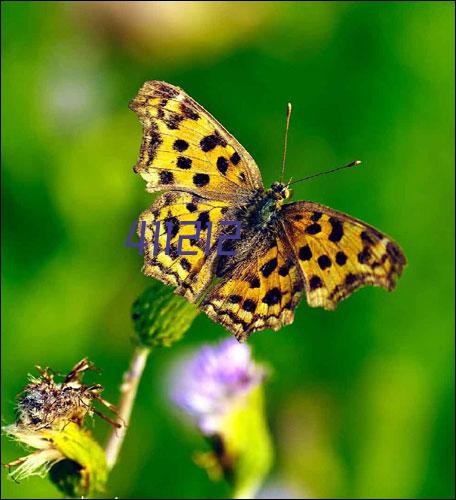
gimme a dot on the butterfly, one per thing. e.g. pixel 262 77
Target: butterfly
pixel 284 249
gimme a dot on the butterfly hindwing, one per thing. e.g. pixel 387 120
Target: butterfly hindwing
pixel 177 215
pixel 338 254
pixel 185 148
pixel 260 292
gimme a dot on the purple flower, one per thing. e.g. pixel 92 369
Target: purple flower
pixel 214 380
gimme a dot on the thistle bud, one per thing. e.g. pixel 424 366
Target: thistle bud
pixel 161 317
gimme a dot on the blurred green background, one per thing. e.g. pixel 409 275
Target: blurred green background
pixel 361 400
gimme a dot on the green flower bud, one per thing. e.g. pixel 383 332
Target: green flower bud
pixel 161 317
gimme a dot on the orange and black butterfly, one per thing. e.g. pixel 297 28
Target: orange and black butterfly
pixel 283 250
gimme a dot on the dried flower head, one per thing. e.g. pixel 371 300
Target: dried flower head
pixel 45 403
pixel 49 419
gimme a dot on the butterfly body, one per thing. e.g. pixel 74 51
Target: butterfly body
pixel 284 249
pixel 265 207
pixel 258 213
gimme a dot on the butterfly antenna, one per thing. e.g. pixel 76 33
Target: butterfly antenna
pixel 286 141
pixel 352 164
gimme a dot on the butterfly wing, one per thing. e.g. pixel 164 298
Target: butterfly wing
pixel 260 292
pixel 189 268
pixel 185 148
pixel 338 254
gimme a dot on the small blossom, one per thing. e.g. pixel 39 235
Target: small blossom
pixel 214 381
pixel 221 389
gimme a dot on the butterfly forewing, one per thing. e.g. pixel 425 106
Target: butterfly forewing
pixel 185 148
pixel 338 254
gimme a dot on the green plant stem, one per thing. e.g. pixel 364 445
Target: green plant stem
pixel 128 392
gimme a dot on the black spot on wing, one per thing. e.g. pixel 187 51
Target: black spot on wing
pixel 341 258
pixel 285 269
pixel 172 120
pixel 267 268
pixel 249 305
pixel 180 145
pixel 272 297
pixel 235 158
pixel 364 256
pixel 313 228
pixel 305 253
pixel 255 283
pixel 222 165
pixel 203 218
pixel 201 180
pixel 166 177
pixel 367 238
pixel 324 262
pixel 173 251
pixel 209 142
pixel 185 264
pixel 350 279
pixel 184 163
pixel 337 231
pixel 315 282
pixel 172 225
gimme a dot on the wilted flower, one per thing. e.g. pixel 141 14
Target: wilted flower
pixel 221 389
pixel 49 419
pixel 45 403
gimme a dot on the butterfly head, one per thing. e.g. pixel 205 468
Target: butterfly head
pixel 279 192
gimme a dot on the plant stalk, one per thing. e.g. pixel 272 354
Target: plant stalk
pixel 128 391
